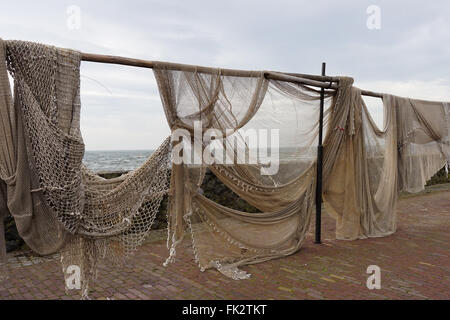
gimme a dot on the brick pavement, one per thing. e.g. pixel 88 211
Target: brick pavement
pixel 414 262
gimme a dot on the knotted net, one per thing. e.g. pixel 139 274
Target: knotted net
pixel 58 204
pixel 257 136
pixel 373 165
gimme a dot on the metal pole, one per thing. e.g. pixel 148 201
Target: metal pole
pixel 319 166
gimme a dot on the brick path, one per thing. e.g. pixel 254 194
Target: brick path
pixel 414 262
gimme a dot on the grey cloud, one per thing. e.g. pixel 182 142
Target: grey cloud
pixel 412 45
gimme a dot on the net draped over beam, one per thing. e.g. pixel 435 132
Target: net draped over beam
pixel 61 206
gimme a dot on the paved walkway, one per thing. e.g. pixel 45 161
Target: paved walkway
pixel 414 262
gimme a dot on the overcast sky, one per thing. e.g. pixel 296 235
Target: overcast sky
pixel 408 55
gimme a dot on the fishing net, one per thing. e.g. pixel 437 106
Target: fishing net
pixel 58 204
pixel 257 136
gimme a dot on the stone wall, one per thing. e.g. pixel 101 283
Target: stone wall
pixel 13 240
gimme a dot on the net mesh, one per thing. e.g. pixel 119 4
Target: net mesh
pixel 101 218
pixel 217 118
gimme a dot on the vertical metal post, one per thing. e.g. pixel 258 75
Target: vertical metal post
pixel 319 166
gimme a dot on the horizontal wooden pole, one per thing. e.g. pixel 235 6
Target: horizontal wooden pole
pixel 172 66
pixel 289 78
pixel 178 66
pixel 313 76
pixel 326 82
pixel 312 80
pixel 102 58
pixel 371 94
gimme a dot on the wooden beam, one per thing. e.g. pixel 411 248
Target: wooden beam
pixel 172 66
pixel 289 78
pixel 300 78
pixel 371 94
pixel 313 77
pixel 325 82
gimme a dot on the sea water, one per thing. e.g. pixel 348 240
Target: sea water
pixel 115 160
pixel 126 160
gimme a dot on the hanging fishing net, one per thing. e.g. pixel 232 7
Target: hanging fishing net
pixel 257 136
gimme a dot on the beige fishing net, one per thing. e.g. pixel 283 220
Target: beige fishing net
pixel 374 165
pixel 57 203
pixel 258 136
